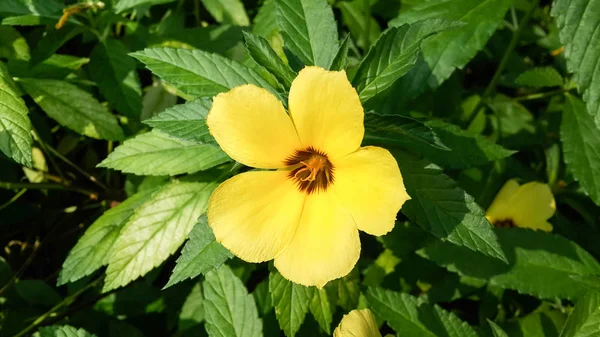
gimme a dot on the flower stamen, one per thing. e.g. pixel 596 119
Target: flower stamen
pixel 311 169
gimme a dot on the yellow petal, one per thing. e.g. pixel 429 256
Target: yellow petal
pixel 255 214
pixel 501 207
pixel 532 205
pixel 326 111
pixel 369 185
pixel 358 323
pixel 252 127
pixel 326 245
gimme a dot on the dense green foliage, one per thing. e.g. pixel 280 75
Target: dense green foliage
pixel 107 164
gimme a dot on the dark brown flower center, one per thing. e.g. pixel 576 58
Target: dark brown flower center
pixel 310 169
pixel 505 223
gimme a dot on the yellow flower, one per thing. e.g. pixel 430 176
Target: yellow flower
pixel 306 214
pixel 357 323
pixel 527 206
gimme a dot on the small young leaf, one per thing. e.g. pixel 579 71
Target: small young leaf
pixel 63 331
pixel 73 108
pixel 581 141
pixel 585 318
pixel 198 73
pixel 291 302
pixel 309 30
pixel 157 229
pixel 156 153
pixel 93 249
pixel 227 11
pixel 578 24
pixel 540 77
pixel 534 257
pixel 260 50
pixel 415 318
pixel 230 311
pixel 322 309
pixel 186 121
pixel 115 73
pixel 496 330
pixel 201 254
pixel 15 127
pixel 445 210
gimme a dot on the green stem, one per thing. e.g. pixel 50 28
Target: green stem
pixel 540 95
pixel 491 87
pixel 66 300
pixel 36 248
pixel 78 169
pixel 47 186
pixel 13 199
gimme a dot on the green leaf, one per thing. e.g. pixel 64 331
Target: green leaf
pixel 192 311
pixel 36 292
pixel 414 318
pixel 309 30
pixel 260 50
pixel 73 108
pixel 393 55
pixel 581 141
pixel 124 5
pixel 13 46
pixel 467 149
pixel 534 258
pixel 496 329
pixel 156 153
pixel 37 7
pixel 186 121
pixel 52 41
pixel 95 246
pixel 198 73
pixel 55 67
pixel 201 254
pixel 227 11
pixel 230 310
pixel 388 130
pixel 156 100
pixel 115 73
pixel 453 49
pixel 291 302
pixel 363 27
pixel 540 77
pixel 578 24
pixel 265 21
pixel 584 321
pixel 443 209
pixel 157 229
pixel 15 126
pixel 321 309
pixel 347 290
pixel 63 331
pixel 340 61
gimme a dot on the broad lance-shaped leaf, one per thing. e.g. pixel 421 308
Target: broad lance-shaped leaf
pixel 309 30
pixel 227 11
pixel 579 30
pixel 540 77
pixel 74 108
pixel 497 330
pixel 445 210
pixel 185 121
pixel 321 309
pixel 156 153
pixel 15 127
pixel 157 229
pixel 93 249
pixel 291 302
pixel 387 130
pixel 115 73
pixel 584 320
pixel 261 51
pixel 63 331
pixel 393 55
pixel 201 254
pixel 198 73
pixel 534 257
pixel 581 141
pixel 49 8
pixel 413 317
pixel 123 5
pixel 230 311
pixel 454 48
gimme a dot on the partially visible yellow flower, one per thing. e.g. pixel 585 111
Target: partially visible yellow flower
pixel 527 206
pixel 358 323
pixel 306 214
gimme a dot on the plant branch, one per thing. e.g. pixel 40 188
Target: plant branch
pixel 78 169
pixel 540 95
pixel 49 186
pixel 36 248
